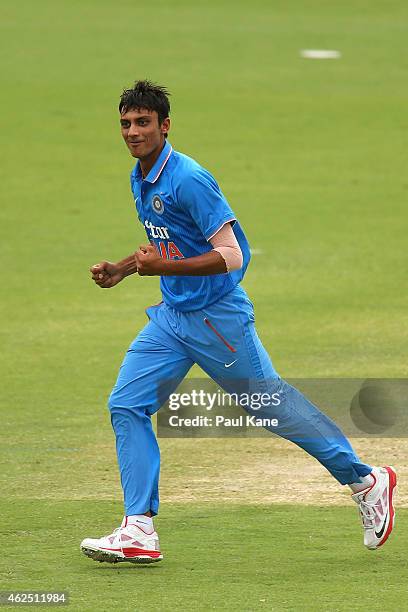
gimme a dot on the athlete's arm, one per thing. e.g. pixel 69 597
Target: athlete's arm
pixel 150 263
pixel 147 262
pixel 107 274
pixel 225 257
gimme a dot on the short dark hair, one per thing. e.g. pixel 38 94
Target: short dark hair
pixel 146 94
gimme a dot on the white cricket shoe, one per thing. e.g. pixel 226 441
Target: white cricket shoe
pixel 376 507
pixel 130 542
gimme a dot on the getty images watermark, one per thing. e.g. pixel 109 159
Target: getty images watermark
pixel 214 401
pixel 256 408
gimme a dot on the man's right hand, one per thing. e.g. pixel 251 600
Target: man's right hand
pixel 107 274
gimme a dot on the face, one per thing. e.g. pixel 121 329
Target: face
pixel 142 133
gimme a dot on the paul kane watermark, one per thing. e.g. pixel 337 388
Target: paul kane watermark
pixel 254 408
pixel 200 408
pixel 220 399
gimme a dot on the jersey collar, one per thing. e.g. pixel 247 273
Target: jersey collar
pixel 159 164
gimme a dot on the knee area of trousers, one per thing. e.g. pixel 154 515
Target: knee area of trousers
pixel 117 401
pixel 117 404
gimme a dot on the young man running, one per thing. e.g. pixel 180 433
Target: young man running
pixel 197 247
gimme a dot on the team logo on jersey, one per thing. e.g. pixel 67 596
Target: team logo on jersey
pixel 157 205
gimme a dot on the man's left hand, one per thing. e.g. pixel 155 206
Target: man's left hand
pixel 148 261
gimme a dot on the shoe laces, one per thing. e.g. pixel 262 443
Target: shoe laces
pixel 116 534
pixel 368 513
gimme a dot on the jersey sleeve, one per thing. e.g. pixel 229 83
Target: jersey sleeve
pixel 200 196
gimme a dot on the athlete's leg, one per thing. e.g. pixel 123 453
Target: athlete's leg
pixel 224 343
pixel 153 357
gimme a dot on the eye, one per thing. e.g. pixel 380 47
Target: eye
pixel 125 124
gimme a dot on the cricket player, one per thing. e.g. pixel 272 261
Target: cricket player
pixel 197 247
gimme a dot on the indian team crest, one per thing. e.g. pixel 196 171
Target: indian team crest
pixel 157 205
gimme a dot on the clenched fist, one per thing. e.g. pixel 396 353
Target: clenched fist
pixel 148 261
pixel 106 274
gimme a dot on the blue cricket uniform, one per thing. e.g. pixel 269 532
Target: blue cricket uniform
pixel 208 320
pixel 181 207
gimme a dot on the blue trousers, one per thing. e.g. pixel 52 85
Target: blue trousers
pixel 220 334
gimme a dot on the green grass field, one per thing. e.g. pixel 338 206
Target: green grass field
pixel 312 157
pixel 285 561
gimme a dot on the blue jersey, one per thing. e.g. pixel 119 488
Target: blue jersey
pixel 181 207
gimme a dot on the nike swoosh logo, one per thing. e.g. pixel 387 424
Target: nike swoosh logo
pixel 228 365
pixel 380 533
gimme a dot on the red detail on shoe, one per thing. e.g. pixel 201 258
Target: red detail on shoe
pixel 368 489
pixel 136 552
pixel 231 348
pixel 111 539
pixel 131 551
pixel 124 537
pixel 393 482
pixel 374 483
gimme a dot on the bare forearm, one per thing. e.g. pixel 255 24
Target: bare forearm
pixel 202 265
pixel 127 266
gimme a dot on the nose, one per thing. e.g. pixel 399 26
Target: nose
pixel 133 130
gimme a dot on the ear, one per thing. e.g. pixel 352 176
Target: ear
pixel 165 126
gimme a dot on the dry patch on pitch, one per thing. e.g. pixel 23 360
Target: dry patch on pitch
pixel 265 471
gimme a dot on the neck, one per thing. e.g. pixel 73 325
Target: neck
pixel 147 163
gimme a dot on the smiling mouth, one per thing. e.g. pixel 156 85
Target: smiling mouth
pixel 134 144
